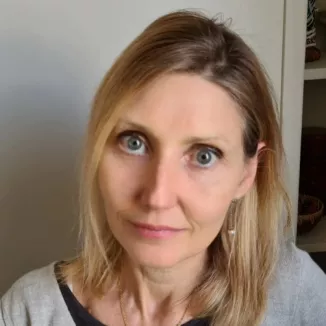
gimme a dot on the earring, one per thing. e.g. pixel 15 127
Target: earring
pixel 232 230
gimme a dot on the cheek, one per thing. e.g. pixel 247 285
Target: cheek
pixel 216 181
pixel 209 212
pixel 206 217
pixel 208 202
pixel 212 191
pixel 119 179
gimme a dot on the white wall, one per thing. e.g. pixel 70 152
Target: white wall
pixel 52 56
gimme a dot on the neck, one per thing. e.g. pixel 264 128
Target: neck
pixel 158 291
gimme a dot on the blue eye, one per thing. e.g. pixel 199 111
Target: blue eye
pixel 133 144
pixel 205 157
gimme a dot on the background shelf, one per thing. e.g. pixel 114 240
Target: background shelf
pixel 314 241
pixel 316 70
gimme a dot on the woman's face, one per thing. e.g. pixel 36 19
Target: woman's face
pixel 171 169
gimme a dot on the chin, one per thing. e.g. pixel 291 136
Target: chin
pixel 154 256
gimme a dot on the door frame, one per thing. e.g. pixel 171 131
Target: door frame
pixel 291 100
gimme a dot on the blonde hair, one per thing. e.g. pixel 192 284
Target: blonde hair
pixel 234 289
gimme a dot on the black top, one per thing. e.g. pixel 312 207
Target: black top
pixel 82 317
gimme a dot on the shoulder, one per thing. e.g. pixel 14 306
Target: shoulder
pixel 34 298
pixel 31 284
pixel 298 270
pixel 299 288
pixel 296 263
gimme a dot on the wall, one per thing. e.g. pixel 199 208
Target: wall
pixel 52 55
pixel 292 95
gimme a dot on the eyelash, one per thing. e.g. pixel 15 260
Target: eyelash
pixel 134 133
pixel 216 151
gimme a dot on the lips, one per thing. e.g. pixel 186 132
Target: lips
pixel 156 227
pixel 150 231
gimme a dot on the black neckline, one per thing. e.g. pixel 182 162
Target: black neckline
pixel 82 317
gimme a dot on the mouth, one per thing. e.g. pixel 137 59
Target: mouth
pixel 155 231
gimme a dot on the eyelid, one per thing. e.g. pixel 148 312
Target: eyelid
pixel 139 134
pixel 219 153
pixel 130 132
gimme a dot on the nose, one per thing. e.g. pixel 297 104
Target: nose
pixel 159 188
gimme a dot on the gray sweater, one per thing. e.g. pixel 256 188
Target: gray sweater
pixel 297 296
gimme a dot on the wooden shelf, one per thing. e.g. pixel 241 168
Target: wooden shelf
pixel 314 241
pixel 317 69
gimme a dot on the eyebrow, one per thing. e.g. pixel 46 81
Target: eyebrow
pixel 187 141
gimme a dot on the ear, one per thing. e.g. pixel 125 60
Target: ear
pixel 249 173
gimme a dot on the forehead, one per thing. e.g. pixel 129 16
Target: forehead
pixel 182 105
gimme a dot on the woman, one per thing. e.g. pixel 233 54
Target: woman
pixel 181 197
